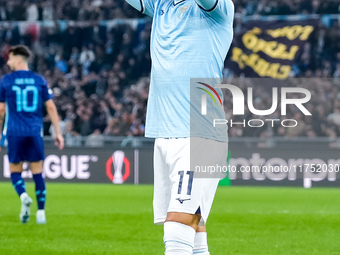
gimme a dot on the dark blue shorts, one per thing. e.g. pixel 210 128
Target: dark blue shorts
pixel 25 148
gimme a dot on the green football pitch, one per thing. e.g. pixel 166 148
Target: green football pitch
pixel 110 219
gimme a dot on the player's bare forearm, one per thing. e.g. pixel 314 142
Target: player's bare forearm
pixel 2 116
pixel 52 112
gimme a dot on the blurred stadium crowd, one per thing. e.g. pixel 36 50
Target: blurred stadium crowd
pixel 34 10
pixel 37 10
pixel 286 7
pixel 100 73
pixel 95 74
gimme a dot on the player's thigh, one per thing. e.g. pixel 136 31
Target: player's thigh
pixel 15 167
pixel 209 188
pixel 208 158
pixel 192 193
pixel 16 151
pixel 35 149
pixel 201 229
pixel 183 199
pixel 161 182
pixel 197 206
pixel 191 220
pixel 212 156
pixel 37 167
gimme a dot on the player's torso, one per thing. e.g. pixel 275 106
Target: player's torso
pixel 186 41
pixel 24 105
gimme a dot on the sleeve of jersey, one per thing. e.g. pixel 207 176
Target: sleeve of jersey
pixel 144 6
pixel 218 9
pixel 47 93
pixel 2 91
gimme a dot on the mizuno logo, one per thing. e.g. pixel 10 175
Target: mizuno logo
pixel 162 12
pixel 182 200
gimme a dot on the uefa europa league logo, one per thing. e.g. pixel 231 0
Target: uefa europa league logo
pixel 118 160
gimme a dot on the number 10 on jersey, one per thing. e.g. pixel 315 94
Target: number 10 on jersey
pixel 22 98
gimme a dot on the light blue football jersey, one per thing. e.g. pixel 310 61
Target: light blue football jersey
pixel 186 42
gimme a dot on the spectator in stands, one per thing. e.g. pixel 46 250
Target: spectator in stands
pixel 32 11
pixel 47 10
pixel 3 11
pixel 86 55
pixel 96 139
pixel 72 138
pixel 62 125
pixel 334 117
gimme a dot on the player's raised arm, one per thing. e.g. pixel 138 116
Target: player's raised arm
pixel 52 112
pixel 219 9
pixel 144 6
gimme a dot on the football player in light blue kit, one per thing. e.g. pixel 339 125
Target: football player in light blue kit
pixel 189 39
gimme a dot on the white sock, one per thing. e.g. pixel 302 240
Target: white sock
pixel 178 238
pixel 201 244
pixel 23 196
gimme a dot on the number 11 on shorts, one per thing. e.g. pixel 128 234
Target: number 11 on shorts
pixel 180 184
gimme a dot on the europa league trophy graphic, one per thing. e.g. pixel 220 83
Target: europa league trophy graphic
pixel 118 160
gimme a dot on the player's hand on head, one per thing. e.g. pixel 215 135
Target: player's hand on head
pixel 59 141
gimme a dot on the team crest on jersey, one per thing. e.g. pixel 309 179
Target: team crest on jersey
pixel 182 11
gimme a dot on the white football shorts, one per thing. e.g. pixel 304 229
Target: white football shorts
pixel 176 188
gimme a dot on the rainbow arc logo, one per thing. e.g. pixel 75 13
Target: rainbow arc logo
pixel 210 91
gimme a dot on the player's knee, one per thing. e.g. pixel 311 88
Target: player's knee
pixel 201 229
pixel 191 220
pixel 15 167
pixel 37 171
pixel 37 167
